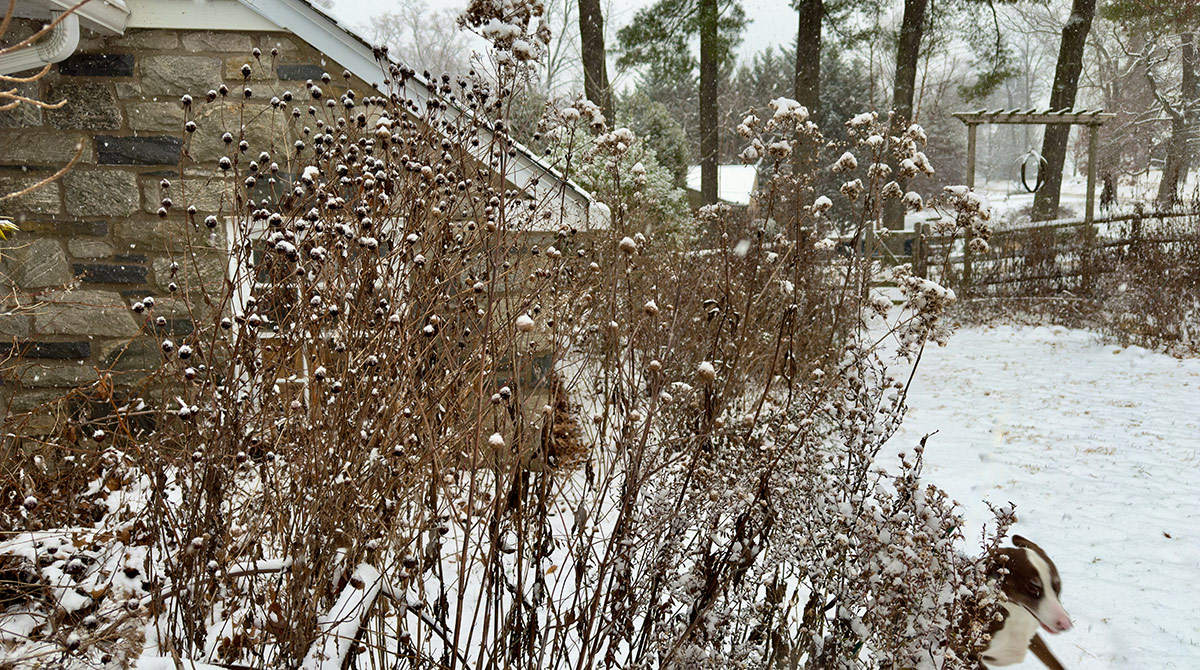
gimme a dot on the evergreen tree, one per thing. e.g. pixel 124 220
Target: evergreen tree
pixel 660 36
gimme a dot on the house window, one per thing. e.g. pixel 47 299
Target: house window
pixel 255 297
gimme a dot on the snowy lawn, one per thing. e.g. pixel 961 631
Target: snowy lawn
pixel 1099 449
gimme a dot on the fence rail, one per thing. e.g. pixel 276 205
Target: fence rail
pixel 942 255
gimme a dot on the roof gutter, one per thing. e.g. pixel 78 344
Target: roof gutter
pixel 57 46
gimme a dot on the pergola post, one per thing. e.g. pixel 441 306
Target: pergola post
pixel 971 154
pixel 1090 209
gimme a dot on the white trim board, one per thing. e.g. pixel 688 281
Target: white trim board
pixel 200 15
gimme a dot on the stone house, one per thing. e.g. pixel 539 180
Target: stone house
pixel 91 243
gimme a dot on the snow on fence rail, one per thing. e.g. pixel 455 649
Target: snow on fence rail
pixel 944 255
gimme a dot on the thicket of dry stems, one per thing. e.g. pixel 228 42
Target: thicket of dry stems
pixel 520 444
pixel 1135 281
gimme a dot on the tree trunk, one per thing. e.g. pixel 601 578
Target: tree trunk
pixel 808 56
pixel 1066 85
pixel 595 65
pixel 709 55
pixel 807 88
pixel 908 54
pixel 1179 153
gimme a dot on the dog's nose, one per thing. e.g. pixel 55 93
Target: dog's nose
pixel 1063 624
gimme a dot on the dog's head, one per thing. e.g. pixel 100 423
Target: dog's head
pixel 1033 583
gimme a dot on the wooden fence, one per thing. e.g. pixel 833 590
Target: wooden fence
pixel 1060 255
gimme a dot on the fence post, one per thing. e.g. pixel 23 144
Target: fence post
pixel 1089 210
pixel 966 275
pixel 918 249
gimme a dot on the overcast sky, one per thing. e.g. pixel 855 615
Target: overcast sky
pixel 771 21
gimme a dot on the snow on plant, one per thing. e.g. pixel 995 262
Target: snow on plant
pixel 427 420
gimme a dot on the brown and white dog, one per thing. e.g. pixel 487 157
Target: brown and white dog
pixel 1032 586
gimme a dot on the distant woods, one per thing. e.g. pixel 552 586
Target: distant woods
pixel 680 75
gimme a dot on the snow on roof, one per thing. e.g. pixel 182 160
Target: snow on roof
pixel 735 183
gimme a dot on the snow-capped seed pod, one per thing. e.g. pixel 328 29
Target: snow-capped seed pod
pixel 168 346
pixel 706 372
pixel 99 435
pixel 627 245
pixel 496 441
pixel 650 307
pixel 525 323
pixel 654 366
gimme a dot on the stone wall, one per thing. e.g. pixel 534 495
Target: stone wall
pixel 93 243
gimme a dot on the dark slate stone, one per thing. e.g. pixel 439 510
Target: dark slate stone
pixel 91 105
pixel 103 273
pixel 131 258
pixel 176 327
pixel 299 72
pixel 97 65
pixel 66 228
pixel 111 150
pixel 62 351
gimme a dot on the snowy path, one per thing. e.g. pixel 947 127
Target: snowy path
pixel 1099 448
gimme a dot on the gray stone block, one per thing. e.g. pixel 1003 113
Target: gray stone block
pixel 14 324
pixel 205 195
pixel 85 313
pixel 155 117
pixel 206 270
pixel 170 234
pixel 101 193
pixel 45 373
pixel 136 354
pixel 39 264
pixel 84 247
pixel 43 200
pixel 50 148
pixel 213 40
pixel 177 75
pixel 23 115
pixel 90 106
pixel 148 38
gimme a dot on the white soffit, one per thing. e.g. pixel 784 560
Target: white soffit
pixel 196 15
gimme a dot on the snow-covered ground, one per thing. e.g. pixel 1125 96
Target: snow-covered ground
pixel 1099 449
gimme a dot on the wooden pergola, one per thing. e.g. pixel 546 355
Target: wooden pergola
pixel 1092 118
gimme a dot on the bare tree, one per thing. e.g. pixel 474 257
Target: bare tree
pixel 423 38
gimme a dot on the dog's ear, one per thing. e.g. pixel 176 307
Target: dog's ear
pixel 1019 541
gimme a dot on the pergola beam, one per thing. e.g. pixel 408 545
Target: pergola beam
pixel 1092 118
pixel 1087 117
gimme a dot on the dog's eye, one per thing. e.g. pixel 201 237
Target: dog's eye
pixel 1034 590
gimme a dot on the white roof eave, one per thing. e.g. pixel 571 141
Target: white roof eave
pixel 108 17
